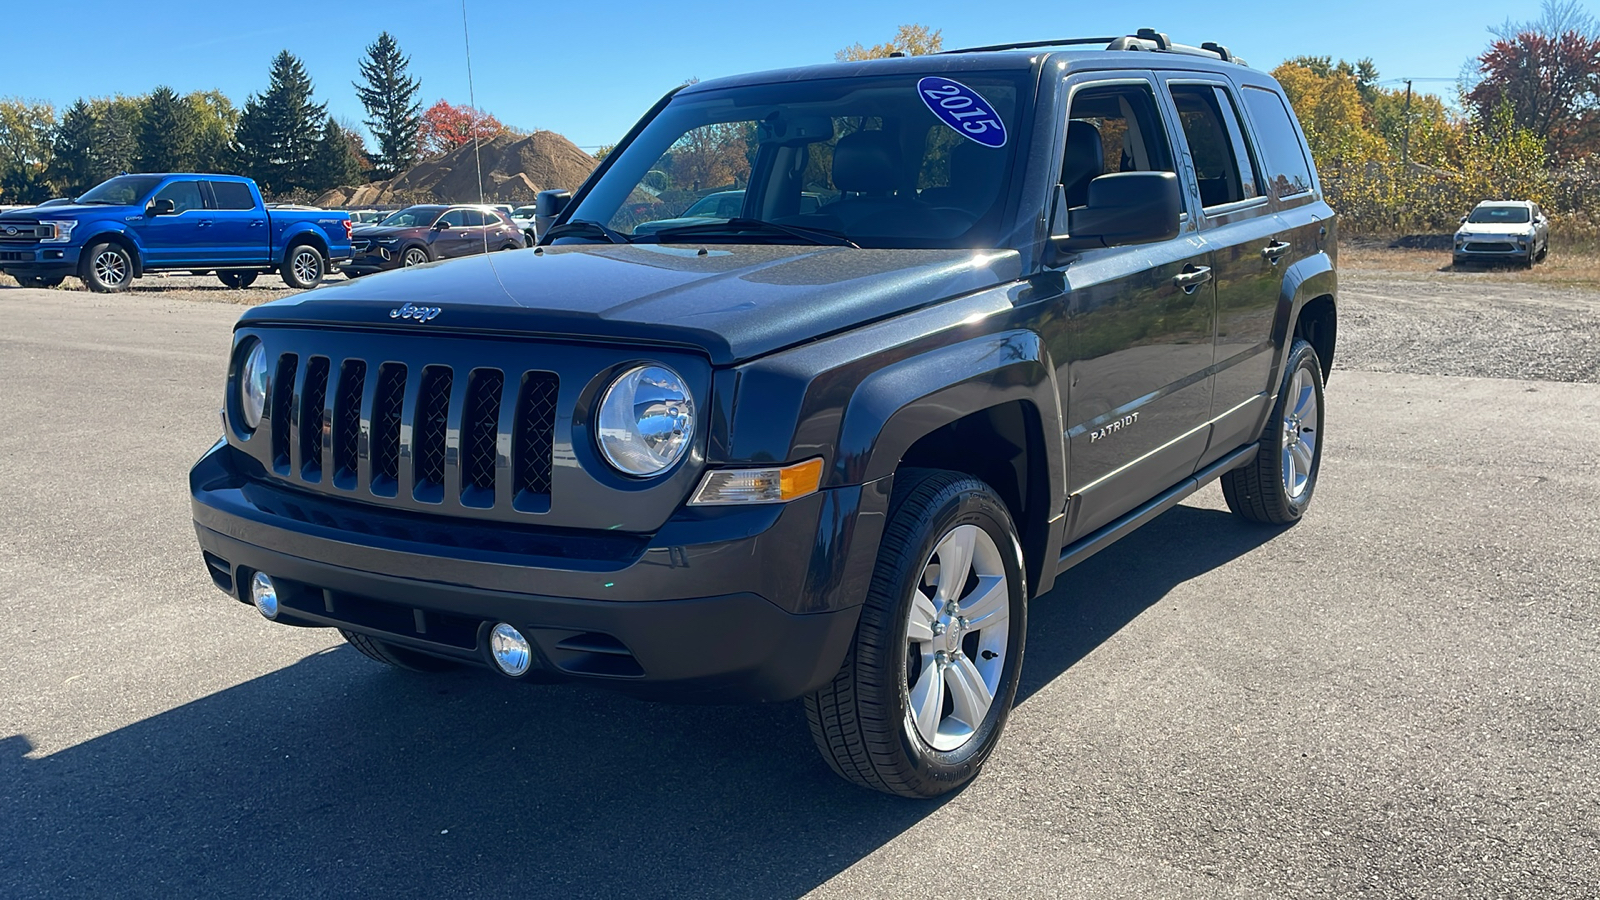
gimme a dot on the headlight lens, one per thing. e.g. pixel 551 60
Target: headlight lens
pixel 646 420
pixel 61 228
pixel 253 386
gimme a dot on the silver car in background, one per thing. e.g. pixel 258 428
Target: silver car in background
pixel 1503 231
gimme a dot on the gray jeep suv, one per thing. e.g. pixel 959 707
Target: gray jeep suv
pixel 827 451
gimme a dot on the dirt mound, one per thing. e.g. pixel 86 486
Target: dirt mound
pixel 514 170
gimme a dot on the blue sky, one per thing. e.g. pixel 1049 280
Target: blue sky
pixel 589 68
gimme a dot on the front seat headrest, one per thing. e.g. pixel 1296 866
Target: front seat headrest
pixel 1085 160
pixel 866 162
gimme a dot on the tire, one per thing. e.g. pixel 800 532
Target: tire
pixel 530 238
pixel 866 722
pixel 40 281
pixel 107 268
pixel 303 267
pixel 414 256
pixel 237 279
pixel 398 657
pixel 1275 488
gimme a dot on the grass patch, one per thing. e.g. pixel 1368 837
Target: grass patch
pixel 1571 262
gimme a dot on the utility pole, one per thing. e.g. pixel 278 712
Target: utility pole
pixel 1405 140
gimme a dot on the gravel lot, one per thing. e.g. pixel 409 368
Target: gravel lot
pixel 1398 697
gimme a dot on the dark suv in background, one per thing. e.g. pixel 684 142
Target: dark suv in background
pixel 823 450
pixel 420 234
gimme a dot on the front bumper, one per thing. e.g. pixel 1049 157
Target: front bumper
pixel 731 605
pixel 371 260
pixel 38 259
pixel 1491 249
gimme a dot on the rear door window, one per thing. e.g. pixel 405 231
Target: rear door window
pixel 1288 172
pixel 232 195
pixel 1216 160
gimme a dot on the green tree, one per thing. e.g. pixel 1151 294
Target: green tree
pixel 116 143
pixel 910 40
pixel 72 166
pixel 395 113
pixel 26 130
pixel 340 159
pixel 216 121
pixel 168 129
pixel 279 130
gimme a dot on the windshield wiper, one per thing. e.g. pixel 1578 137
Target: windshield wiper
pixel 586 227
pixel 740 226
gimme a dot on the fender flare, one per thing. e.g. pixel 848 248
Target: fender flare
pixel 115 230
pixel 1309 278
pixel 303 233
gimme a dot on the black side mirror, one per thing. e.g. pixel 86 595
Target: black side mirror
pixel 1123 208
pixel 546 207
pixel 162 207
pixel 1463 220
pixel 441 226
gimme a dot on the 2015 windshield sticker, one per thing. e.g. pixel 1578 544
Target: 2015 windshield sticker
pixel 962 109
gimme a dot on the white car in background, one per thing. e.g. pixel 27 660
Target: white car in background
pixel 1503 230
pixel 522 216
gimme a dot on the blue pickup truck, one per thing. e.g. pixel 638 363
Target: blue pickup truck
pixel 133 224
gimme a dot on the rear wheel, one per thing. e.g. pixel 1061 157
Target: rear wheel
pixel 107 268
pixel 304 267
pixel 237 279
pixel 399 657
pixel 928 683
pixel 1275 488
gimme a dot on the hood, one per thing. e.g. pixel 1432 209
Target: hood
pixel 1496 228
pixel 68 211
pixel 373 232
pixel 733 303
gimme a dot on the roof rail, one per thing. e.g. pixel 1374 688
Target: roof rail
pixel 1145 39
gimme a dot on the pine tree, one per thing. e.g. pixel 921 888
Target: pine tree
pixel 116 142
pixel 73 170
pixel 214 144
pixel 168 128
pixel 338 160
pixel 279 129
pixel 390 96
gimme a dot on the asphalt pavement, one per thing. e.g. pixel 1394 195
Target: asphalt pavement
pixel 1397 697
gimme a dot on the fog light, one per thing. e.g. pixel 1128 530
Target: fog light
pixel 265 595
pixel 511 651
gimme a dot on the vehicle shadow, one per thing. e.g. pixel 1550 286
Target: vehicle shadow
pixel 335 777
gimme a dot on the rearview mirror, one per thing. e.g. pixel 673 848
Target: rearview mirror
pixel 162 207
pixel 1123 208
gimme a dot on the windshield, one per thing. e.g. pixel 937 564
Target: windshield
pixel 864 160
pixel 413 216
pixel 123 190
pixel 523 212
pixel 1499 215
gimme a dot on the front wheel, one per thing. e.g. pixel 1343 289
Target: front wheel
pixel 928 683
pixel 107 268
pixel 1275 487
pixel 304 268
pixel 414 256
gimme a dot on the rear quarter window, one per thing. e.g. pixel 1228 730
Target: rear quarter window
pixel 1288 170
pixel 232 195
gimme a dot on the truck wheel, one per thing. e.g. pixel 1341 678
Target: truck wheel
pixel 399 657
pixel 304 268
pixel 237 279
pixel 40 281
pixel 1275 488
pixel 107 268
pixel 929 680
pixel 415 256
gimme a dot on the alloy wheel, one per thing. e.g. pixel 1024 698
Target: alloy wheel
pixel 111 268
pixel 1299 434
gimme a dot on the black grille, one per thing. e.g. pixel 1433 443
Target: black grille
pixel 480 432
pixel 535 433
pixel 433 417
pixel 1489 247
pixel 391 429
pixel 312 414
pixel 388 403
pixel 347 421
pixel 15 256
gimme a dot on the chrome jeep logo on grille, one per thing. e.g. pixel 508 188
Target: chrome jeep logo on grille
pixel 412 311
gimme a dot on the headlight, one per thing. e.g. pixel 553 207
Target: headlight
pixel 646 420
pixel 61 230
pixel 253 386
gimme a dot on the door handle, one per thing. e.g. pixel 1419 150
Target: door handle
pixel 1192 277
pixel 256 223
pixel 1275 251
pixel 205 223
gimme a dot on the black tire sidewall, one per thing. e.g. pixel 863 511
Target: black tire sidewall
pixel 93 281
pixel 426 256
pixel 939 770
